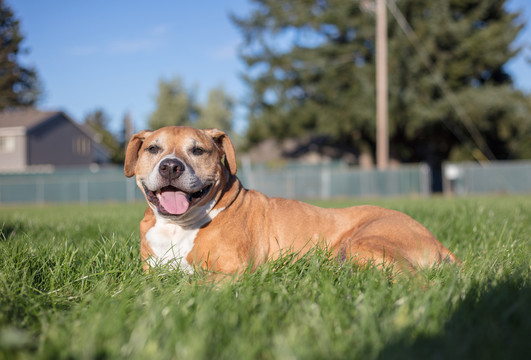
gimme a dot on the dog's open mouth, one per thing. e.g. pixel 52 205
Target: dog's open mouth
pixel 171 201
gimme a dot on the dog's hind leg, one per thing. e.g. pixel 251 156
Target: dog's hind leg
pixel 372 251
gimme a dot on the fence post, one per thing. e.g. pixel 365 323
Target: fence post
pixel 290 193
pixel 130 190
pixel 364 182
pixel 325 182
pixel 40 191
pixel 248 171
pixel 425 179
pixel 83 191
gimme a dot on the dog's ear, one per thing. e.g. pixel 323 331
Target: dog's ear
pixel 131 154
pixel 223 142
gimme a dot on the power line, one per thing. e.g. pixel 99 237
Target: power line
pixel 449 94
pixel 485 153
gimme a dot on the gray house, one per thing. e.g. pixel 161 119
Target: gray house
pixel 31 138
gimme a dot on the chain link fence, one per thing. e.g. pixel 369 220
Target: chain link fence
pixel 503 177
pixel 336 180
pixel 293 181
pixel 69 186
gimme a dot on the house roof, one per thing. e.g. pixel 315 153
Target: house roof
pixel 26 118
pixel 29 118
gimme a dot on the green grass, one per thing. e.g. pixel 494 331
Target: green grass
pixel 72 287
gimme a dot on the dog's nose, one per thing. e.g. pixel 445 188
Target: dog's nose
pixel 171 168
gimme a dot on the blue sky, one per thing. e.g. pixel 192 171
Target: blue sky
pixel 111 54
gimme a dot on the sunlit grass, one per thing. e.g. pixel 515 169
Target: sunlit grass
pixel 71 286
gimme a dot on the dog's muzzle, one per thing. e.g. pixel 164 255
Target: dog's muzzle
pixel 172 201
pixel 173 198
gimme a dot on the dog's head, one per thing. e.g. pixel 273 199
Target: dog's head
pixel 180 169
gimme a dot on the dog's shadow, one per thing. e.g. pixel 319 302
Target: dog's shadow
pixel 491 323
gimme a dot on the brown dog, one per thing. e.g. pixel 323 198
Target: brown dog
pixel 200 216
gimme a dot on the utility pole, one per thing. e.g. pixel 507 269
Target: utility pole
pixel 382 113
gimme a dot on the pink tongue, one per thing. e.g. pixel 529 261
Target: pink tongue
pixel 175 202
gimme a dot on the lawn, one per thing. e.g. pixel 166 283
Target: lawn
pixel 72 287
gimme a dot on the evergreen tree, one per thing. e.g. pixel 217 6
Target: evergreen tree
pixel 461 104
pixel 19 85
pixel 217 112
pixel 315 80
pixel 311 70
pixel 175 105
pixel 98 122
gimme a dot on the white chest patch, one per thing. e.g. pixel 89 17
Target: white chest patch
pixel 171 242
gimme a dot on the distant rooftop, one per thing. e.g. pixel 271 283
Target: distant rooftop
pixel 25 118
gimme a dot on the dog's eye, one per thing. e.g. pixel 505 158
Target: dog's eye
pixel 198 151
pixel 153 149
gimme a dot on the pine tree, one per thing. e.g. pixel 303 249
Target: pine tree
pixel 311 70
pixel 98 122
pixel 19 85
pixel 175 105
pixel 313 86
pixel 217 112
pixel 462 104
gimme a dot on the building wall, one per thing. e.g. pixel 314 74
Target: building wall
pixel 59 142
pixel 12 149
